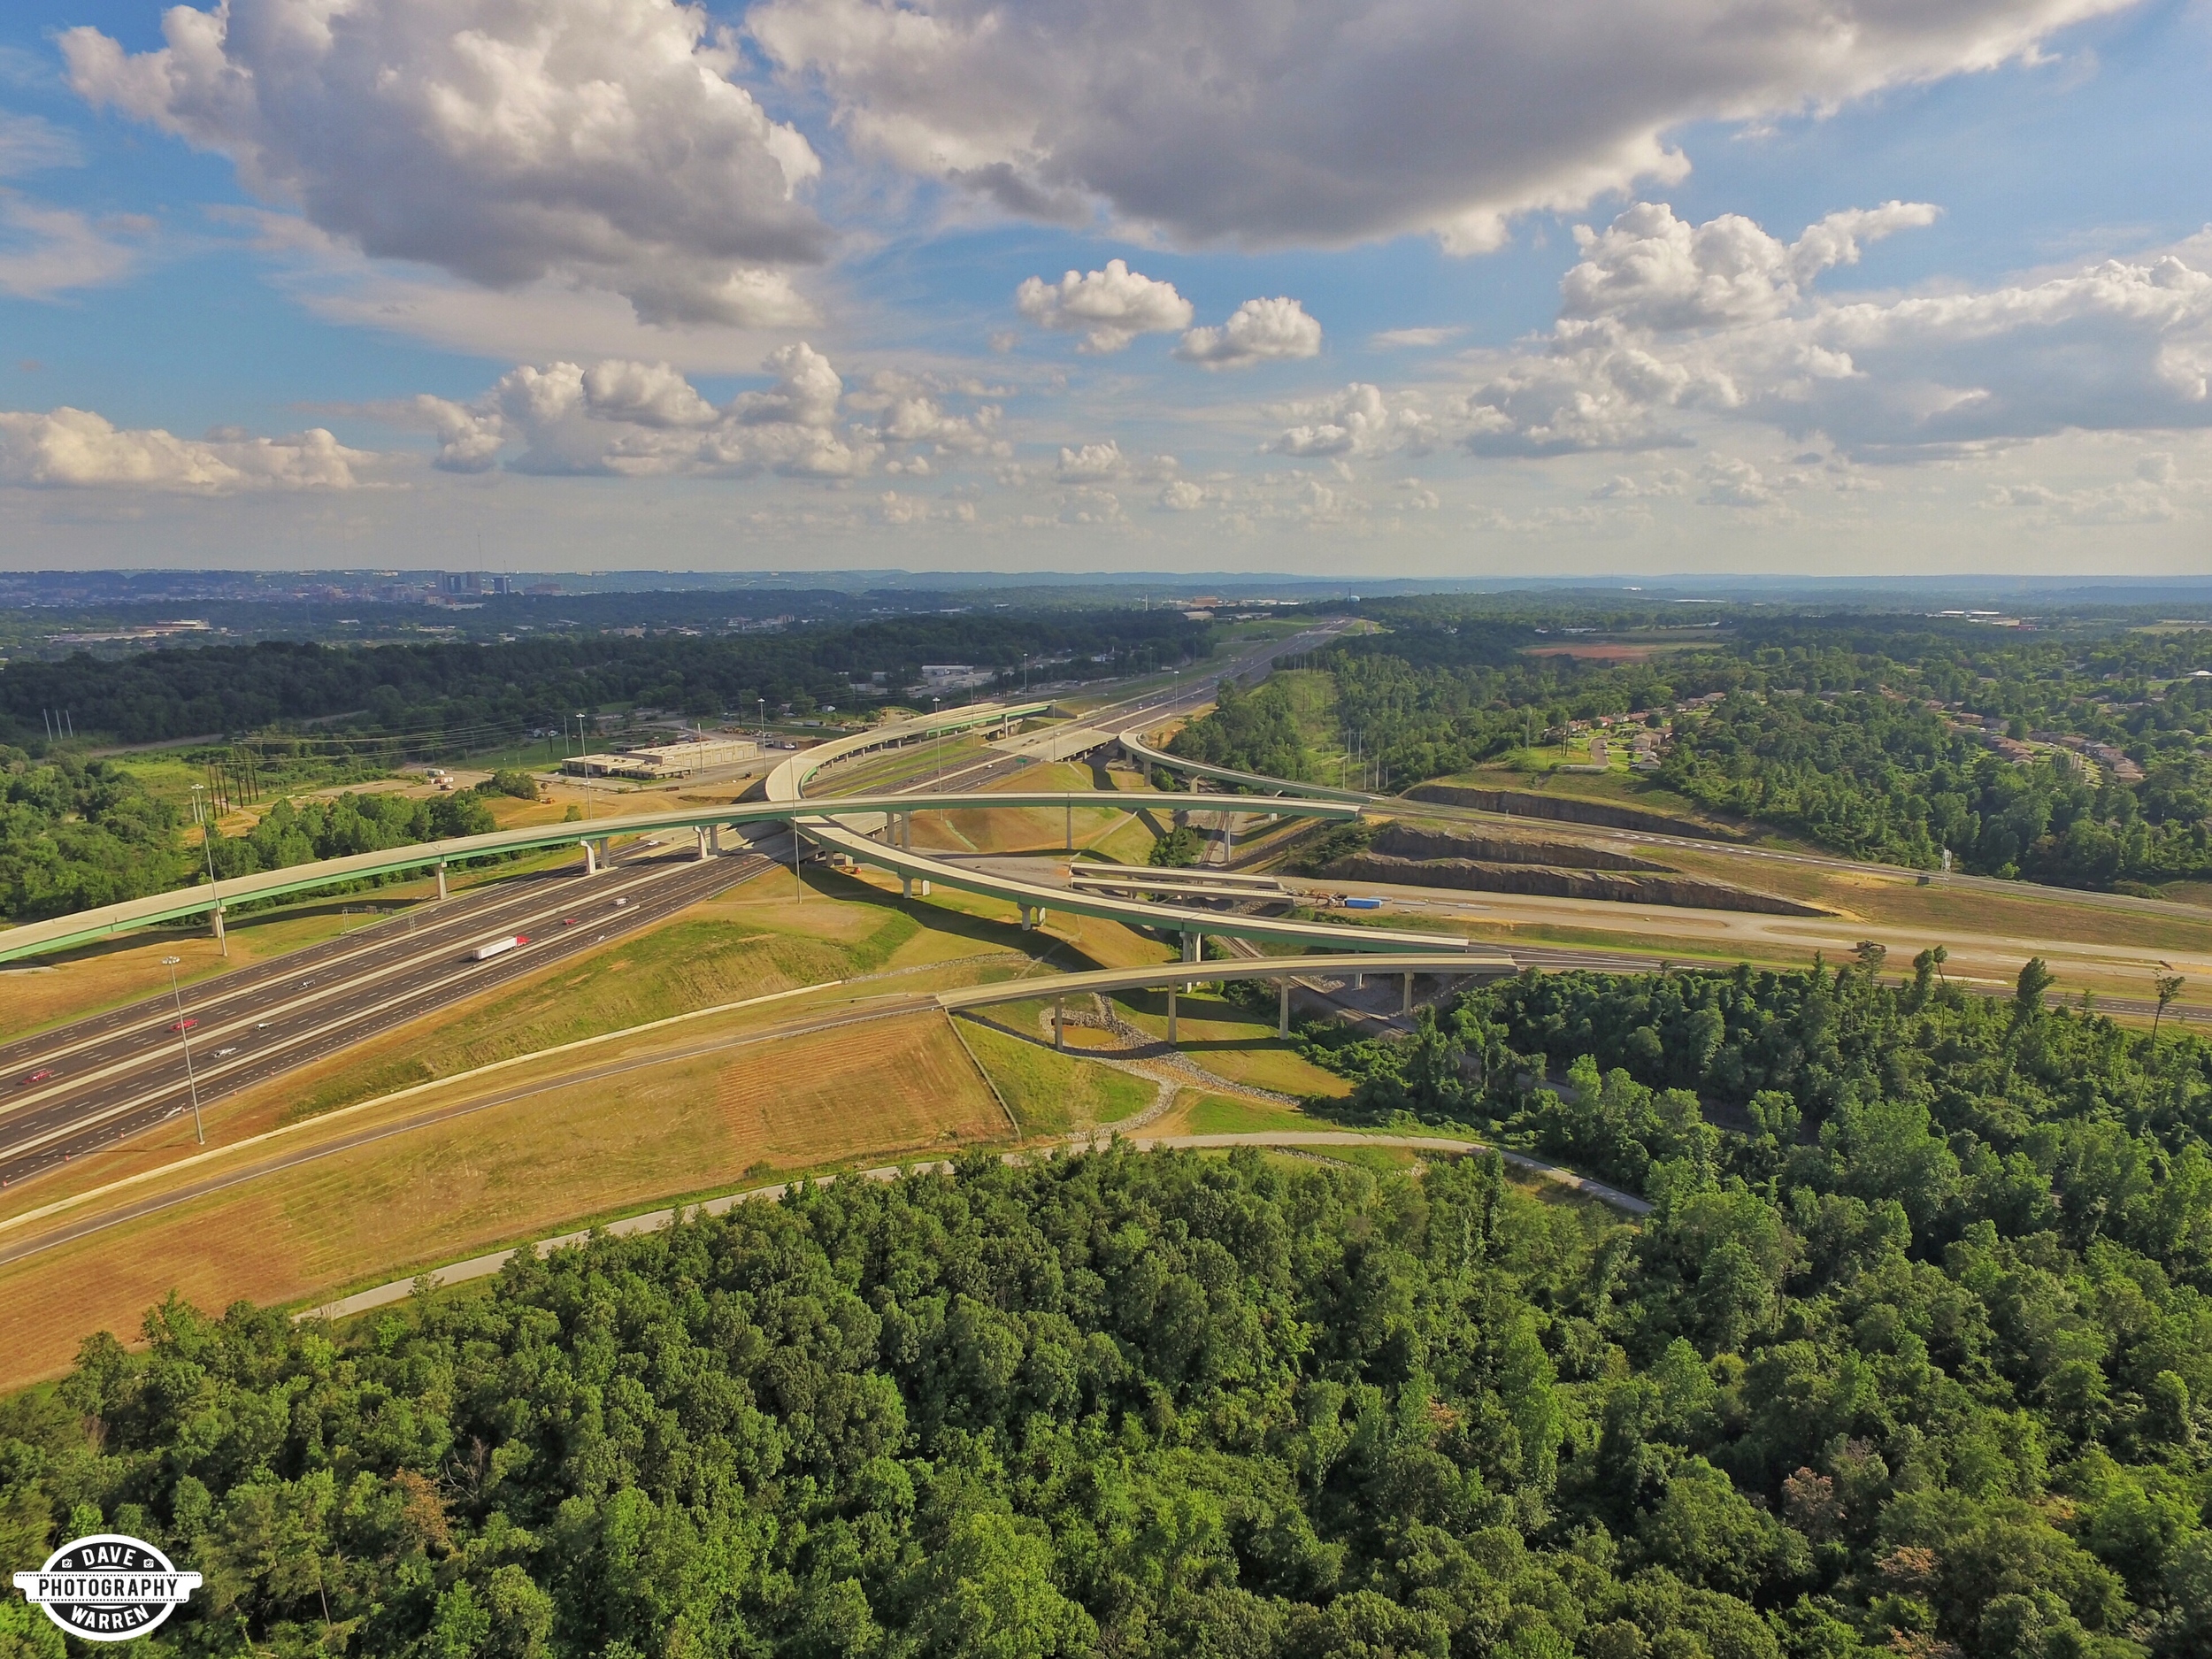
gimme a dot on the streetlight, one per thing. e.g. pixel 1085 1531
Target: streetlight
pixel 184 1035
pixel 205 816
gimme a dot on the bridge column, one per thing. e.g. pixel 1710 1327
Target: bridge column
pixel 1070 840
pixel 1359 982
pixel 219 939
pixel 906 886
pixel 1060 1022
pixel 1408 1009
pixel 441 882
pixel 714 838
pixel 591 859
pixel 1282 1009
pixel 1170 1016
pixel 1193 950
pixel 700 831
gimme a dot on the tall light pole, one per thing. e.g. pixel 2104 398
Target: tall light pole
pixel 184 1033
pixel 584 771
pixel 204 812
pixel 936 749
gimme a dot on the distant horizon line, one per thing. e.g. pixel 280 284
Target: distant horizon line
pixel 1245 582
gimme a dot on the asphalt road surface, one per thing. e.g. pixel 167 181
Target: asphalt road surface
pixel 77 1088
pixel 120 1072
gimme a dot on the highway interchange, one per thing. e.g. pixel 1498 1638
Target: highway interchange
pixel 86 1085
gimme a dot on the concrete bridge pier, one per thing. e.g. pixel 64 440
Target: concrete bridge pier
pixel 1193 950
pixel 714 838
pixel 591 859
pixel 1282 1009
pixel 702 834
pixel 1170 1016
pixel 1060 1023
pixel 1408 1009
pixel 441 892
pixel 1070 835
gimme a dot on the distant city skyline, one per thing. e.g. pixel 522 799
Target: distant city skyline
pixel 1441 291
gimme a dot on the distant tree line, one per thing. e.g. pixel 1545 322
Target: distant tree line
pixel 1825 729
pixel 426 689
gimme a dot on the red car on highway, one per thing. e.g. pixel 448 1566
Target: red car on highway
pixel 186 1023
pixel 41 1075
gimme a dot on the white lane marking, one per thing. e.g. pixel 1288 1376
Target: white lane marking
pixel 83 1124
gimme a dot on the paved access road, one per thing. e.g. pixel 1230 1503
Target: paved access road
pixel 1197 690
pixel 121 1073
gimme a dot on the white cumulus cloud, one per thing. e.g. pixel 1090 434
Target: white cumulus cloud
pixel 1268 124
pixel 1357 420
pixel 622 417
pixel 1664 323
pixel 1652 270
pixel 1093 464
pixel 1258 330
pixel 1110 308
pixel 645 420
pixel 603 142
pixel 74 448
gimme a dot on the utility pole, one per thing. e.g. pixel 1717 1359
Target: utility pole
pixel 205 814
pixel 185 1033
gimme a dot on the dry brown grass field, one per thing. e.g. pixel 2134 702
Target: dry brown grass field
pixel 755 940
pixel 511 1172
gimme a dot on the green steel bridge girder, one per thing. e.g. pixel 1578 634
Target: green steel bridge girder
pixel 1133 744
pixel 90 927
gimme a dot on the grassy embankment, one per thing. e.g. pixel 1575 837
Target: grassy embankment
pixel 594 1148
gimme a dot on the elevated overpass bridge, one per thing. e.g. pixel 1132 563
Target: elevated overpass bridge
pixel 854 824
pixel 846 824
pixel 1450 965
pixel 1133 745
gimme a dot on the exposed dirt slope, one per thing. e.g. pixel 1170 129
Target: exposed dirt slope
pixel 1621 886
pixel 1568 810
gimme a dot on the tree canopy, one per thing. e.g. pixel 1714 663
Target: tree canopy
pixel 1910 1356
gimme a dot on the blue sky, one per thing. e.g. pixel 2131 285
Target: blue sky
pixel 1419 287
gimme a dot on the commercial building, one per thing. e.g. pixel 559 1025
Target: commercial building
pixel 663 761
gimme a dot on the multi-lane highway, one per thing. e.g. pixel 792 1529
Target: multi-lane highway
pixel 77 1088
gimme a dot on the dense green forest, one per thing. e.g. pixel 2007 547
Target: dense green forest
pixel 1869 734
pixel 1250 731
pixel 75 834
pixel 464 693
pixel 337 828
pixel 1883 778
pixel 1914 1360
